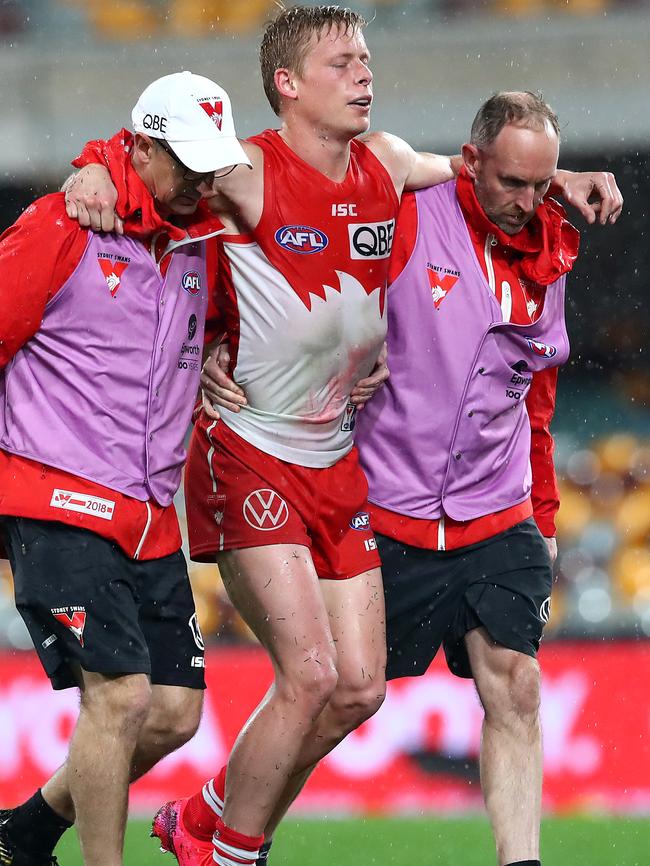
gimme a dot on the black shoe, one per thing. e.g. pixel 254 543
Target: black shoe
pixel 12 855
pixel 263 859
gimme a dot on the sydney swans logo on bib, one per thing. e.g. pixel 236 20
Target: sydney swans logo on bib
pixel 112 267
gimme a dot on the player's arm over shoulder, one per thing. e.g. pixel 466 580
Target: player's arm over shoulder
pixel 238 198
pixel 409 168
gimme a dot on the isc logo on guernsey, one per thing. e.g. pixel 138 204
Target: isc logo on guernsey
pixel 301 239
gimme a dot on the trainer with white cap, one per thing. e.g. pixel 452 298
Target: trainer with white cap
pixel 193 116
pixel 100 349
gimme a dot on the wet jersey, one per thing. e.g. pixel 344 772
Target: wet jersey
pixel 303 302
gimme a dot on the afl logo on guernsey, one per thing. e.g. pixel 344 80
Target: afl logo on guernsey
pixel 191 282
pixel 542 349
pixel 301 239
pixel 360 521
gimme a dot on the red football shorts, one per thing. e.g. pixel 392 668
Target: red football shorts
pixel 237 496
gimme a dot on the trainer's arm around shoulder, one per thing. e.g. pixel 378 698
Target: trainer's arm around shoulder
pixel 408 168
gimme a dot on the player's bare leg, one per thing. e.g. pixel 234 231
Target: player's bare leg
pixel 112 712
pixel 508 684
pixel 357 620
pixel 276 590
pixel 172 720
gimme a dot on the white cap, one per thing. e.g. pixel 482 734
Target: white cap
pixel 193 115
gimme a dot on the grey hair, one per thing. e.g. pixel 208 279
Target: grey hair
pixel 523 108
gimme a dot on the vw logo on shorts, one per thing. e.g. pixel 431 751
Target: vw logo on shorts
pixel 265 510
pixel 545 610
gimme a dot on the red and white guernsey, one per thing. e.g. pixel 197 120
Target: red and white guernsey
pixel 303 302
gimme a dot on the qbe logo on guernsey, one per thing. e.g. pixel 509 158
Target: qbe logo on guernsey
pixel 371 240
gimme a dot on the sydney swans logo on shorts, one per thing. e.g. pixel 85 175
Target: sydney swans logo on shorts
pixel 195 628
pixel 543 349
pixel 545 610
pixel 301 239
pixel 191 282
pixel 73 618
pixel 265 510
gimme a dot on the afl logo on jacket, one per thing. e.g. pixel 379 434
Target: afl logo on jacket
pixel 191 282
pixel 301 239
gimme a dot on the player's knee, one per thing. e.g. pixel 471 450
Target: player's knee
pixel 118 703
pixel 311 688
pixel 354 702
pixel 525 688
pixel 514 695
pixel 173 718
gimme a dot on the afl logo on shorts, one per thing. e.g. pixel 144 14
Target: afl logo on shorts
pixel 301 239
pixel 542 349
pixel 360 521
pixel 545 610
pixel 265 510
pixel 191 282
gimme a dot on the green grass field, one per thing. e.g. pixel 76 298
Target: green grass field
pixel 419 841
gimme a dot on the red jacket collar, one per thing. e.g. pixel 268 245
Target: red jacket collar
pixel 135 204
pixel 547 245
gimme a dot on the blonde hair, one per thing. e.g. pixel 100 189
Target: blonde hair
pixel 286 39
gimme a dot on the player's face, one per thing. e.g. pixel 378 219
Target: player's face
pixel 335 88
pixel 513 174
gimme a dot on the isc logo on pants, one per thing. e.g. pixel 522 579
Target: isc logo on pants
pixel 371 240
